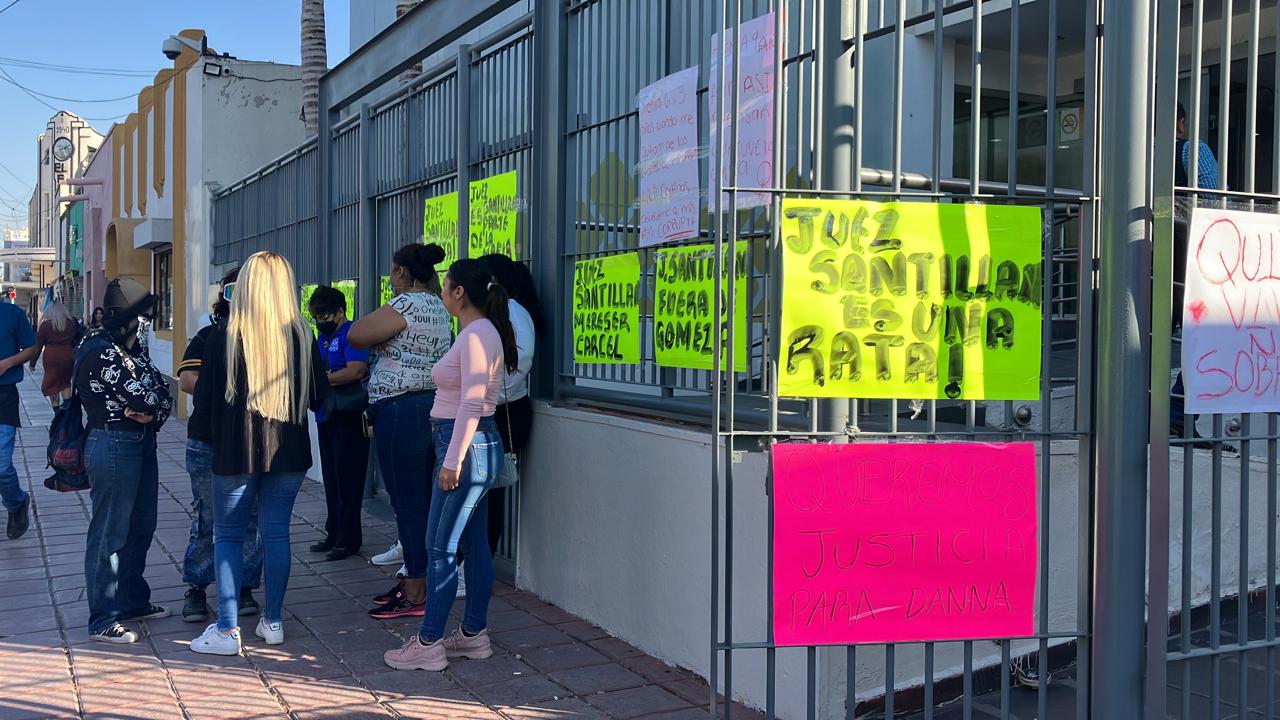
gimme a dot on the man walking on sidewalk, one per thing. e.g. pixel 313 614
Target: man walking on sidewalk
pixel 17 347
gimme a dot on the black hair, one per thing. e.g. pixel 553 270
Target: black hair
pixel 475 277
pixel 326 300
pixel 222 308
pixel 517 280
pixel 97 310
pixel 420 262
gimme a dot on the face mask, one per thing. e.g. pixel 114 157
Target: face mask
pixel 327 328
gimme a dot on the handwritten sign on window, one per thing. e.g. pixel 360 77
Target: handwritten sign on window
pixel 440 227
pixel 903 542
pixel 1231 313
pixel 606 310
pixel 910 300
pixel 756 82
pixel 492 203
pixel 684 307
pixel 669 190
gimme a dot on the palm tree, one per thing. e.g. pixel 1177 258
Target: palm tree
pixel 315 61
pixel 402 7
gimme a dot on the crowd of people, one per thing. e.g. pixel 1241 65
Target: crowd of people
pixel 436 380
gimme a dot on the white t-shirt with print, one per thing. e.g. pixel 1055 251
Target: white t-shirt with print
pixel 404 364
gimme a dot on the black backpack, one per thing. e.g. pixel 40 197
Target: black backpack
pixel 66 444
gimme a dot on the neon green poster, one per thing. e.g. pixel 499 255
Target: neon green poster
pixel 606 310
pixel 387 293
pixel 684 304
pixel 440 227
pixel 910 300
pixel 492 204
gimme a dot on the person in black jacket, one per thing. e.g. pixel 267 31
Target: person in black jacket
pixel 258 378
pixel 126 400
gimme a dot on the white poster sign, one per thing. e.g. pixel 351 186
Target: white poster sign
pixel 1231 313
pixel 669 188
pixel 756 87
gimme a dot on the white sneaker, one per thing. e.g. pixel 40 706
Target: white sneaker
pixel 213 642
pixel 403 572
pixel 462 584
pixel 272 632
pixel 393 555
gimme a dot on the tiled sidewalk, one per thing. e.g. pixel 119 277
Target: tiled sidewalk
pixel 549 663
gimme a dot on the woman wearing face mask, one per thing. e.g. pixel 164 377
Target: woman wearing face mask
pixel 410 334
pixel 344 449
pixel 469 382
pixel 126 400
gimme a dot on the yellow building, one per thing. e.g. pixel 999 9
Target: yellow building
pixel 208 120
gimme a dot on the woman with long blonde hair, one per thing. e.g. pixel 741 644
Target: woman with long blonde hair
pixel 56 341
pixel 259 377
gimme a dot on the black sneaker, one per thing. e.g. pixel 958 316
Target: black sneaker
pixel 196 607
pixel 323 546
pixel 248 606
pixel 117 634
pixel 152 612
pixel 340 554
pixel 390 595
pixel 20 521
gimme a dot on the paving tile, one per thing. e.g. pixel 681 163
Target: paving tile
pixel 553 615
pixel 563 657
pixel 597 679
pixel 259 706
pixel 113 696
pixel 444 706
pixel 614 648
pixel 167 710
pixel 519 691
pixel 46 706
pixel 525 639
pixel 582 630
pixel 512 620
pixel 364 712
pixel 399 684
pixel 637 702
pixel 192 683
pixel 566 709
pixel 499 668
pixel 321 694
pixel 653 669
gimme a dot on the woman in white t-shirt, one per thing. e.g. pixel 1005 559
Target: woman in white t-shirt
pixel 408 335
pixel 514 415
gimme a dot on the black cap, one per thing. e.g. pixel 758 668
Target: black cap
pixel 126 298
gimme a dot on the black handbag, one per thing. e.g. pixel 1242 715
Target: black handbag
pixel 351 397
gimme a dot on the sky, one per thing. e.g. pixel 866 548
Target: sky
pixel 121 35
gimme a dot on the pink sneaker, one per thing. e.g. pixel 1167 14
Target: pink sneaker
pixel 460 645
pixel 413 655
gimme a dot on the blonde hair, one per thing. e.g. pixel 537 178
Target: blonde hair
pixel 57 316
pixel 265 331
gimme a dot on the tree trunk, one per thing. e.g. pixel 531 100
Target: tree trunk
pixel 402 7
pixel 315 61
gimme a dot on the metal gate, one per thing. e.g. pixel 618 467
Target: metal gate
pixel 1063 105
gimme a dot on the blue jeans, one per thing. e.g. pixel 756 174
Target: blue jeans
pixel 406 464
pixel 197 564
pixel 11 492
pixel 234 497
pixel 122 469
pixel 459 521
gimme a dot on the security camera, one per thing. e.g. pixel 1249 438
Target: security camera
pixel 172 48
pixel 174 44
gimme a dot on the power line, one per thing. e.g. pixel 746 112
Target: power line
pixel 6 7
pixel 9 80
pixel 32 94
pixel 75 69
pixel 15 175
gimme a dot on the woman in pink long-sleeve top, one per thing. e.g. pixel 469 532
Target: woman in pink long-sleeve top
pixel 469 380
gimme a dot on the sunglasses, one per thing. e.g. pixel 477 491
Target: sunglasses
pixel 228 290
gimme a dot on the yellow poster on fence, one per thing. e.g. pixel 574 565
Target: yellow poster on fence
pixel 348 290
pixel 606 310
pixel 910 300
pixel 306 292
pixel 684 306
pixel 492 204
pixel 386 293
pixel 440 227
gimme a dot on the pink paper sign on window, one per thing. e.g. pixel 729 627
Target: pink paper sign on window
pixel 903 542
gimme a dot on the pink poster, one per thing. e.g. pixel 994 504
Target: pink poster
pixel 903 542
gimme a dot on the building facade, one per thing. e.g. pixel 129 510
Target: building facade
pixel 207 120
